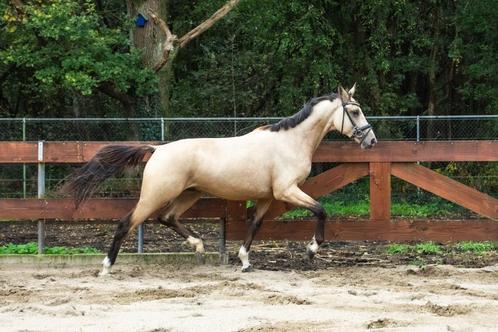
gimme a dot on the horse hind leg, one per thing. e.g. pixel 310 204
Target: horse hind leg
pixel 170 215
pixel 126 225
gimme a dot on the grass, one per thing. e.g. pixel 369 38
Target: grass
pixel 397 248
pixel 428 248
pixel 431 248
pixel 335 208
pixel 361 208
pixel 31 248
pixel 476 247
pixel 426 210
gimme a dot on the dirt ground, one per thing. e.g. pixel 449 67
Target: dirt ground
pixel 269 255
pixel 351 286
pixel 220 298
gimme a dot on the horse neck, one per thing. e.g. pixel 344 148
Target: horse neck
pixel 307 135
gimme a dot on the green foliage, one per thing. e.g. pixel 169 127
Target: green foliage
pixel 397 248
pixel 433 209
pixel 31 248
pixel 476 247
pixel 268 57
pixel 70 251
pixel 431 248
pixel 25 249
pixel 361 208
pixel 263 58
pixel 64 47
pixel 428 248
pixel 423 248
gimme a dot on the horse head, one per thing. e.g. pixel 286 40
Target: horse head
pixel 351 121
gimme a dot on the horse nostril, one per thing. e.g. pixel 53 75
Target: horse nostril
pixel 373 141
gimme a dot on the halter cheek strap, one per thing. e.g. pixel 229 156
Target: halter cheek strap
pixel 358 132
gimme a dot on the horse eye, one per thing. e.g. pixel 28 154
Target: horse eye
pixel 356 113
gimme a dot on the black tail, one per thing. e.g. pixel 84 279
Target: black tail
pixel 109 161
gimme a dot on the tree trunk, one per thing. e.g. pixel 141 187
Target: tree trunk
pixel 150 40
pixel 433 58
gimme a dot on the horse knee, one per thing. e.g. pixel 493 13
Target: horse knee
pixel 319 211
pixel 256 223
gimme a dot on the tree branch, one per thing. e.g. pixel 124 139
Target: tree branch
pixel 172 40
pixel 162 25
pixel 17 3
pixel 111 91
pixel 18 6
pixel 169 43
pixel 185 39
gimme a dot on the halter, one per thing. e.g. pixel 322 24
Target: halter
pixel 358 132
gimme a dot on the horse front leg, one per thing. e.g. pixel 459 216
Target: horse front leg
pixel 295 196
pixel 256 221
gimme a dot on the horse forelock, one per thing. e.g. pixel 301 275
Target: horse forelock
pixel 293 120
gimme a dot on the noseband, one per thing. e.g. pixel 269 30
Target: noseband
pixel 358 132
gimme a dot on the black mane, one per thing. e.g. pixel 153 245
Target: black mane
pixel 303 114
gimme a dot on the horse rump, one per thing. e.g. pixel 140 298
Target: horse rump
pixel 109 161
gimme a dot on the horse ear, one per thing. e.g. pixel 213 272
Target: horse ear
pixel 343 94
pixel 352 90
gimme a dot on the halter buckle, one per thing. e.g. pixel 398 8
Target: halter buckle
pixel 358 133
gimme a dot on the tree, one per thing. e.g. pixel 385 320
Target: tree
pixel 63 48
pixel 264 59
pixel 160 46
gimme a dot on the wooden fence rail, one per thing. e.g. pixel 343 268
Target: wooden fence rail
pixel 388 158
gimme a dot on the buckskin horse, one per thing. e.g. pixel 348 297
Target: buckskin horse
pixel 266 164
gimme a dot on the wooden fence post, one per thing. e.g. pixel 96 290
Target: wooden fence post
pixel 380 191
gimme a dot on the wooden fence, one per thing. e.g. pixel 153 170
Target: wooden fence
pixel 386 159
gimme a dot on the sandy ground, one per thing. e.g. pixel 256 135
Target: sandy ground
pixel 220 298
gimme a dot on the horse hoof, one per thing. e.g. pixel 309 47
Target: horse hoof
pixel 310 253
pixel 201 258
pixel 247 269
pixel 104 273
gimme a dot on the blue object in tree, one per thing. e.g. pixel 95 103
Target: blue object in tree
pixel 140 21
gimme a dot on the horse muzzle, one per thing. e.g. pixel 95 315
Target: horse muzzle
pixel 368 143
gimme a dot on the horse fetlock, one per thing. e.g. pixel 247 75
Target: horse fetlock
pixel 244 258
pixel 195 244
pixel 106 267
pixel 312 248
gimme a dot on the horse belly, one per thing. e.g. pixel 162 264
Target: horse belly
pixel 235 185
pixel 231 168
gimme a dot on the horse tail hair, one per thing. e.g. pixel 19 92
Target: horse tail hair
pixel 109 161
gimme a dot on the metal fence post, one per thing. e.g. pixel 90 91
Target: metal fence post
pixel 24 165
pixel 418 140
pixel 222 245
pixel 162 129
pixel 140 237
pixel 418 128
pixel 41 194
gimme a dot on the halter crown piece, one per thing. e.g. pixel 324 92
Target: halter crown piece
pixel 358 132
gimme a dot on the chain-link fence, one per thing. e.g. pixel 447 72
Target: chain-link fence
pixel 167 129
pixel 17 181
